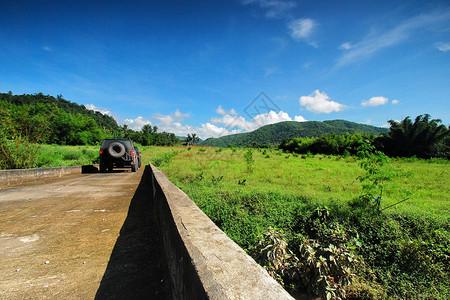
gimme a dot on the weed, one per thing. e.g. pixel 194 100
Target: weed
pixel 242 182
pixel 215 180
pixel 249 160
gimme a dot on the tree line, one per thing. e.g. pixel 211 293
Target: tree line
pixel 42 118
pixel 423 138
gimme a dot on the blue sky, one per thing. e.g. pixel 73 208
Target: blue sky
pixel 219 67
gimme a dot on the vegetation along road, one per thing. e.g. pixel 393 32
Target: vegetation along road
pixel 83 236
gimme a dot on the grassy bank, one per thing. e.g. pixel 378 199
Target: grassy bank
pixel 300 217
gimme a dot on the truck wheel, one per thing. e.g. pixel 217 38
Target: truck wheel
pixel 102 168
pixel 133 167
pixel 116 149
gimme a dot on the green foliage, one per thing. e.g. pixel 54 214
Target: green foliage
pixel 105 122
pixel 20 131
pixel 67 123
pixel 330 144
pixel 192 138
pixel 249 160
pixel 55 156
pixel 165 159
pixel 423 138
pixel 378 171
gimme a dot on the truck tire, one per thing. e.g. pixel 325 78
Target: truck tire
pixel 133 167
pixel 102 168
pixel 116 149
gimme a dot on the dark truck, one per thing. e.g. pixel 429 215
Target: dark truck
pixel 119 153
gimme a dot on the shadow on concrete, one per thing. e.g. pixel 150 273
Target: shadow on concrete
pixel 87 169
pixel 135 268
pixel 90 169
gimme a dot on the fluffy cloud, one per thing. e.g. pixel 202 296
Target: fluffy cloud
pixel 272 118
pixel 375 101
pixel 302 29
pixel 299 119
pixel 257 121
pixel 227 123
pixel 137 123
pixel 320 103
pixel 395 101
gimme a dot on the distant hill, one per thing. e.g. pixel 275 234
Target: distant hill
pixel 104 121
pixel 276 133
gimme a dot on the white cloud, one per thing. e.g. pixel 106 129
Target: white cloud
pixel 233 122
pixel 299 119
pixel 346 46
pixel 271 118
pixel 320 103
pixel 223 112
pixel 104 111
pixel 47 48
pixel 275 8
pixel 137 123
pixel 389 38
pixel 395 101
pixel 227 123
pixel 302 29
pixel 375 101
pixel 179 116
pixel 164 119
pixel 444 47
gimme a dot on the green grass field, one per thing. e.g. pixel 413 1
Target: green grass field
pixel 322 178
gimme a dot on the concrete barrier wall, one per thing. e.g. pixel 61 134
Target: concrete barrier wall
pixel 202 262
pixel 16 177
pixel 22 176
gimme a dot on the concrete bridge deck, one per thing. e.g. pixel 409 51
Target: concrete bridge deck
pixel 81 236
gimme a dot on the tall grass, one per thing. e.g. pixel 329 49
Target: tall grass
pixel 56 156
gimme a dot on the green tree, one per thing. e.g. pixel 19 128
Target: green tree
pixel 419 138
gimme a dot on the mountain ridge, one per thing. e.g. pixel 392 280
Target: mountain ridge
pixel 276 133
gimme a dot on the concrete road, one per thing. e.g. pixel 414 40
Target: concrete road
pixel 81 237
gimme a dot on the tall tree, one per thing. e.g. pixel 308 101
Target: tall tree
pixel 418 138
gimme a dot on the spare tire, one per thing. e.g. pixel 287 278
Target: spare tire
pixel 116 149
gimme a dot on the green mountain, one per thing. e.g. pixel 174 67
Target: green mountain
pixel 45 119
pixel 276 133
pixel 104 121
